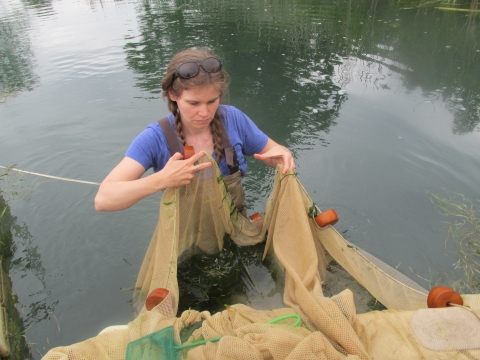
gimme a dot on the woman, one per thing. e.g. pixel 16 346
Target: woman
pixel 193 86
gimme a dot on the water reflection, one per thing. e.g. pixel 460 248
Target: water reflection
pixel 17 58
pixel 22 258
pixel 149 52
pixel 443 53
pixel 40 7
pixel 28 264
pixel 286 56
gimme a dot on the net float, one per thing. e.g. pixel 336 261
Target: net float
pixel 257 220
pixel 328 217
pixel 156 297
pixel 188 152
pixel 442 296
pixel 255 216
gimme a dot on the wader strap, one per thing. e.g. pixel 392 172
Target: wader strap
pixel 235 188
pixel 228 150
pixel 172 140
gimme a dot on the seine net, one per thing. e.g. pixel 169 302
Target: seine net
pixel 197 217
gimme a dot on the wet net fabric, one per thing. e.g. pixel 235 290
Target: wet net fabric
pixel 197 217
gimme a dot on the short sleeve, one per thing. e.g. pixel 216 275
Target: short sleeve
pixel 150 148
pixel 252 139
pixel 244 135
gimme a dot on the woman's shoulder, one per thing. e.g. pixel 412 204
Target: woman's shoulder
pixel 230 110
pixel 154 128
pixel 149 148
pixel 151 134
pixel 233 116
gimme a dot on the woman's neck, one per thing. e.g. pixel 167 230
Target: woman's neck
pixel 197 133
pixel 200 140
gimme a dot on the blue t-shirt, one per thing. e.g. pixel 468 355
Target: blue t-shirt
pixel 150 148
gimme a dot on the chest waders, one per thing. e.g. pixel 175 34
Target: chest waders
pixel 233 181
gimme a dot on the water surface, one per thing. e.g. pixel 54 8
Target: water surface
pixel 378 101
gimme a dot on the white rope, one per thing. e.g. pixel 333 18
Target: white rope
pixel 49 176
pixel 463 307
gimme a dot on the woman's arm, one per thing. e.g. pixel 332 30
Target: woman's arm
pixel 124 186
pixel 273 154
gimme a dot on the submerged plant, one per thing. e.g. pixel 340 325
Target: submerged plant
pixel 211 281
pixel 14 328
pixel 464 230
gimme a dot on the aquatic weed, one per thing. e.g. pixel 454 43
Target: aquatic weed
pixel 464 231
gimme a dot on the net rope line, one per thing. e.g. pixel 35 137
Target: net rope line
pixel 463 307
pixel 49 176
pixel 391 276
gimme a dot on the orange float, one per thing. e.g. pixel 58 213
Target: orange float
pixel 328 217
pixel 255 216
pixel 442 296
pixel 155 298
pixel 257 220
pixel 188 152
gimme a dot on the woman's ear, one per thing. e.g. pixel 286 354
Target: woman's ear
pixel 172 96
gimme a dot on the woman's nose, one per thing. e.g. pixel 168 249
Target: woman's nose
pixel 203 110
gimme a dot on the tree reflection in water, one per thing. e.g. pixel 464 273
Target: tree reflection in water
pixel 298 45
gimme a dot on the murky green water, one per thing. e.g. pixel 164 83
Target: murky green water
pixel 379 101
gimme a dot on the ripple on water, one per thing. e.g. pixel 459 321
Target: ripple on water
pixel 93 63
pixel 353 224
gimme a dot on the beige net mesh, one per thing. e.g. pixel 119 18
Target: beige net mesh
pixel 196 218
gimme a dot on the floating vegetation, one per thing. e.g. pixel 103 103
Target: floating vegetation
pixel 464 230
pixel 211 281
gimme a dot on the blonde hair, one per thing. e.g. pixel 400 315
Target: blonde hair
pixel 175 85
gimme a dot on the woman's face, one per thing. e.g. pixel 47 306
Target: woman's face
pixel 197 107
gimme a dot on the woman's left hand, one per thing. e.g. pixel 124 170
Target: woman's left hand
pixel 273 154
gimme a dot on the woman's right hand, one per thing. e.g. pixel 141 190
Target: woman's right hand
pixel 124 186
pixel 179 172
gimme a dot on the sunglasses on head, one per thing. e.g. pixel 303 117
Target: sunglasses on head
pixel 190 69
